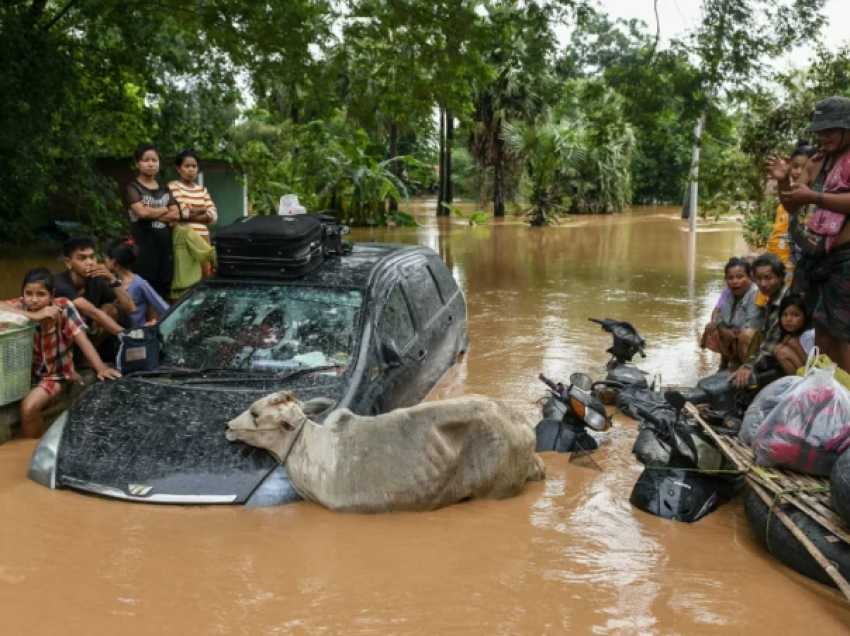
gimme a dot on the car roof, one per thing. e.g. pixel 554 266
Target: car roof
pixel 354 270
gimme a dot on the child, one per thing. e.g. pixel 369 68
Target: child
pixel 59 327
pixel 793 349
pixel 121 256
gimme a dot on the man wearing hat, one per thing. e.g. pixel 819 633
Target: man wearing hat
pixel 826 186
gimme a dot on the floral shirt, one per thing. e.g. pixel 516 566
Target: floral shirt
pixel 52 354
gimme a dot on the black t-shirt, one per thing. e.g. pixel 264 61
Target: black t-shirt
pixel 98 291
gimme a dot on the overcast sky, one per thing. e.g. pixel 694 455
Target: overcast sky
pixel 677 16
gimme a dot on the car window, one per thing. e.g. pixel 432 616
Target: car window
pixel 395 322
pixel 423 290
pixel 262 327
pixel 446 282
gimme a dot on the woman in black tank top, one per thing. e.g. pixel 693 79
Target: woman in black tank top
pixel 152 210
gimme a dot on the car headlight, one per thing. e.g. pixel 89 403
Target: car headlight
pixel 43 463
pixel 275 490
pixel 595 420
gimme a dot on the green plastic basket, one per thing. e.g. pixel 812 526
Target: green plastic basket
pixel 15 363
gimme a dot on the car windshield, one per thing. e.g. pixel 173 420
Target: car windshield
pixel 262 328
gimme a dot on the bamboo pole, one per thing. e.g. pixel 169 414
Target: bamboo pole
pixel 741 457
pixel 812 549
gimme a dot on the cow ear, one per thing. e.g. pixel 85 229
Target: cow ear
pixel 316 406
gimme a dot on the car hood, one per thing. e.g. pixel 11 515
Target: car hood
pixel 158 442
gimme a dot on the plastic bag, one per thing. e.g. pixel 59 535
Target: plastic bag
pixel 823 362
pixel 809 428
pixel 765 402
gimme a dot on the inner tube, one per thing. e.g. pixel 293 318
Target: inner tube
pixel 783 545
pixel 839 486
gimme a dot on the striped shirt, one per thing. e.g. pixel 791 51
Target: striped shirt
pixel 195 196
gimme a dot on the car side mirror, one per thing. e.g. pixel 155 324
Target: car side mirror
pixel 391 354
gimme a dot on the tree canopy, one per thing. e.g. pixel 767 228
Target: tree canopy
pixel 355 105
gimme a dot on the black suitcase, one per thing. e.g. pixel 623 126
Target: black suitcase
pixel 332 233
pixel 270 246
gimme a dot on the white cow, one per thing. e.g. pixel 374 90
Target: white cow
pixel 419 458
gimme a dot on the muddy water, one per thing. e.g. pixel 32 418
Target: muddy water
pixel 569 555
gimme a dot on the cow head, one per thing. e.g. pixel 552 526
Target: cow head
pixel 272 421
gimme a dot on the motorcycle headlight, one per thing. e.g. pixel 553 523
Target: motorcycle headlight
pixel 595 420
pixel 275 490
pixel 42 468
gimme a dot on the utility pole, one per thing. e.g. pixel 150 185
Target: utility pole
pixel 693 186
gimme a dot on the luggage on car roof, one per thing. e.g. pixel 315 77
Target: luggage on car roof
pixel 276 246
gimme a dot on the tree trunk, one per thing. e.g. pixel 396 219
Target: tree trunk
pixel 441 191
pixel 499 189
pixel 694 184
pixel 393 153
pixel 450 136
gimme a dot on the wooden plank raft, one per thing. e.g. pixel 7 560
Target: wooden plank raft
pixel 775 485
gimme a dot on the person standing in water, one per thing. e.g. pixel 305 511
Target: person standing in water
pixel 828 277
pixel 152 209
pixel 197 209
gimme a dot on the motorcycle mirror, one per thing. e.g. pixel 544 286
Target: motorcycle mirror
pixel 675 399
pixel 581 381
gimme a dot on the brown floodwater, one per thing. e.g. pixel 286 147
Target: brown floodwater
pixel 569 555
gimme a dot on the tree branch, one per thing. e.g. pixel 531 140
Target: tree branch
pixel 59 16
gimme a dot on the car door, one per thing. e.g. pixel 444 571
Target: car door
pixel 453 319
pixel 394 355
pixel 432 349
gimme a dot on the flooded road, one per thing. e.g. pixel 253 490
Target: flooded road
pixel 570 555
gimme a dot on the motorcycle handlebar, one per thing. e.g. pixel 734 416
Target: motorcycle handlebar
pixel 549 383
pixel 647 415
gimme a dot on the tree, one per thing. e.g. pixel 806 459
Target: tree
pixel 732 42
pixel 520 87
pixel 86 79
pixel 578 159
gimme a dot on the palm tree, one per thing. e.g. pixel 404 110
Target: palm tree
pixel 516 93
pixel 578 160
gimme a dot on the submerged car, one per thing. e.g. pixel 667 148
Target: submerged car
pixel 373 330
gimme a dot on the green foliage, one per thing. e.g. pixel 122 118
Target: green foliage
pixel 578 160
pixel 758 223
pixel 473 218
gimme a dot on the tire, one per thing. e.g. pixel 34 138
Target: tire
pixel 785 547
pixel 839 486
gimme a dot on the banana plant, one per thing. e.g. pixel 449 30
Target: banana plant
pixel 473 218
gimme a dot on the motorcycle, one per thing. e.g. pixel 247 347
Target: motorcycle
pixel 621 372
pixel 567 414
pixel 721 403
pixel 686 476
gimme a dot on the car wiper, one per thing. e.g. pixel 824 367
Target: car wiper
pixel 181 372
pixel 260 376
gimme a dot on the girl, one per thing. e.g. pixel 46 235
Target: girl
pixel 152 209
pixel 197 209
pixel 737 314
pixel 780 242
pixel 797 339
pixel 121 256
pixel 59 328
